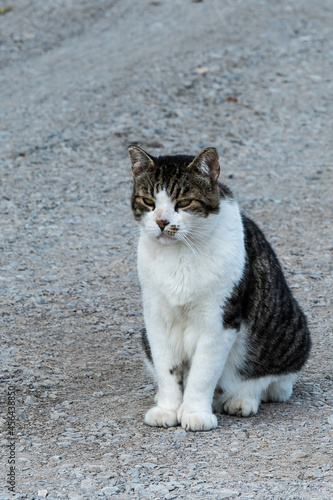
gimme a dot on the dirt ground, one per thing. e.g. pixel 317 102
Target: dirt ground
pixel 79 81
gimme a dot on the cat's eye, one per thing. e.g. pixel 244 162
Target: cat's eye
pixel 183 203
pixel 150 203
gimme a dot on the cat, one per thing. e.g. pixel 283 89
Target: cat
pixel 223 331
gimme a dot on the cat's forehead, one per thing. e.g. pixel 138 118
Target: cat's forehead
pixel 170 167
pixel 168 174
pixel 163 199
pixel 174 162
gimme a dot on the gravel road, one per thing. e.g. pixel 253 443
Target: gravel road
pixel 79 81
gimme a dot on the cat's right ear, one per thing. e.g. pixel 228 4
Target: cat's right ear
pixel 140 160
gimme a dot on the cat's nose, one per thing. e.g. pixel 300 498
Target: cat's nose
pixel 162 223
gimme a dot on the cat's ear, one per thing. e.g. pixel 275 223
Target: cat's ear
pixel 140 159
pixel 207 162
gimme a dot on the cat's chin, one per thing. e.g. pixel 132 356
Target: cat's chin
pixel 165 239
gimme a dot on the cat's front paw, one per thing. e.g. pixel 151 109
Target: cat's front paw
pixel 196 420
pixel 160 417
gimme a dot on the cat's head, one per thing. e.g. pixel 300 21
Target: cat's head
pixel 174 196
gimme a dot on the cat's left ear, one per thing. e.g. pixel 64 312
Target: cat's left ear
pixel 207 162
pixel 140 159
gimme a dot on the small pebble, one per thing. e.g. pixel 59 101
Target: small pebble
pixel 42 493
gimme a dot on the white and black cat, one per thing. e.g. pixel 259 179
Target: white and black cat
pixel 222 327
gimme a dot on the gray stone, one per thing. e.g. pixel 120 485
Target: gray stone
pixel 110 490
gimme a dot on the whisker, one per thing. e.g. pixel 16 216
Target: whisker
pixel 194 247
pixel 199 234
pixel 184 239
pixel 195 241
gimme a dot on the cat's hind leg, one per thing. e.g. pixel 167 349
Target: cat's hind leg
pixel 234 394
pixel 244 396
pixel 280 389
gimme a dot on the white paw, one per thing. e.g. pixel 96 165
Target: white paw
pixel 242 407
pixel 160 417
pixel 196 420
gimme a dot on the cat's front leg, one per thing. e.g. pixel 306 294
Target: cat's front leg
pixel 213 348
pixel 168 373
